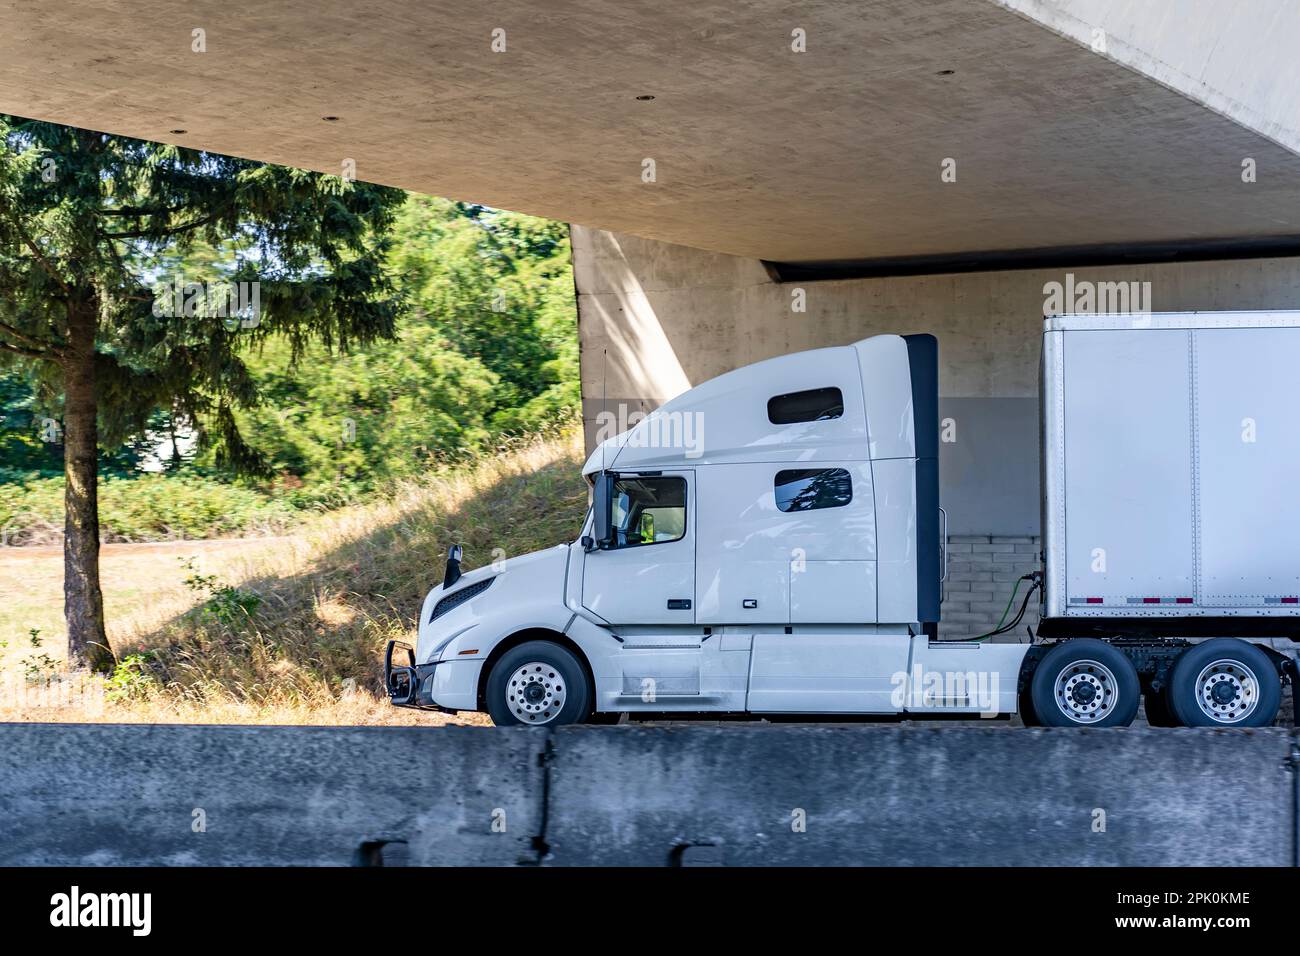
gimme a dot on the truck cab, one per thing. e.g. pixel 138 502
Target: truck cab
pixel 768 542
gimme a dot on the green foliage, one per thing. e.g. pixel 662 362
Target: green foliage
pixel 91 223
pixel 378 412
pixel 22 453
pixel 486 346
pixel 500 287
pixel 225 604
pixel 25 455
pixel 146 508
pixel 397 333
pixel 38 668
pixel 131 679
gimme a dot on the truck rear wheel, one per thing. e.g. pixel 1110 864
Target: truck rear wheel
pixel 538 684
pixel 1084 682
pixel 1225 682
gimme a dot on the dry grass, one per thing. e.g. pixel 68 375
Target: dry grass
pixel 298 635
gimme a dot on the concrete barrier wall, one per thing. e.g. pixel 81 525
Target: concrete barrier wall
pixel 652 796
pixel 137 794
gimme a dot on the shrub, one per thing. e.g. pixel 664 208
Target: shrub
pixel 145 508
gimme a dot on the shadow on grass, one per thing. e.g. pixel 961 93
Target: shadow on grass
pixel 311 636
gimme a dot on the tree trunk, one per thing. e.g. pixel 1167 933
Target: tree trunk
pixel 83 603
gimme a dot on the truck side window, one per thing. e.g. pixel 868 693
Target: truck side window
pixel 814 405
pixel 811 488
pixel 648 510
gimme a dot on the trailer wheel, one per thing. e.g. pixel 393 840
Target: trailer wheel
pixel 1225 682
pixel 538 683
pixel 1084 682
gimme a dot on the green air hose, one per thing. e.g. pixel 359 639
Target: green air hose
pixel 1007 610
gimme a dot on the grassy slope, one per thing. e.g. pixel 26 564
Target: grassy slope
pixel 329 597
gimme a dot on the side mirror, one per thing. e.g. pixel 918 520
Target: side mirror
pixel 602 504
pixel 452 574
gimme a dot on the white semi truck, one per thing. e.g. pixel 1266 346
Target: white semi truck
pixel 789 557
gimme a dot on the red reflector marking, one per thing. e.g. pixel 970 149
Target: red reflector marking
pixel 1151 600
pixel 1292 600
pixel 1094 600
pixel 1184 600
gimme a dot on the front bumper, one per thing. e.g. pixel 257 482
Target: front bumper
pixel 407 684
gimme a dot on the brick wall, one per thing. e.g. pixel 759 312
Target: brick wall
pixel 982 570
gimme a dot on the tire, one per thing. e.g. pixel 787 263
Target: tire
pixel 538 684
pixel 1158 711
pixel 1225 682
pixel 1025 705
pixel 1084 682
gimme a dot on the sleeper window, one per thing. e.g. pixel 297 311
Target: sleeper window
pixel 814 405
pixel 808 489
pixel 648 510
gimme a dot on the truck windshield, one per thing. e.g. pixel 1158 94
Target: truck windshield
pixel 648 510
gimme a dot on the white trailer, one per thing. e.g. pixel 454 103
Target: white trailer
pixel 1170 454
pixel 772 542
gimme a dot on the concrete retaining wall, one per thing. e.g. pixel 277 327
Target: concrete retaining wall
pixel 653 796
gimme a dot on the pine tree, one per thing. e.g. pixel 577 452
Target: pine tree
pixel 90 224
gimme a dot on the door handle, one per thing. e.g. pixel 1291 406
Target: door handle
pixel 679 604
pixel 944 576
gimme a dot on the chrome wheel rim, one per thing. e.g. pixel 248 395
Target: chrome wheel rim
pixel 1227 691
pixel 1086 691
pixel 535 693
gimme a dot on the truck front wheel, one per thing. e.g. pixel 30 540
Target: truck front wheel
pixel 1225 682
pixel 538 683
pixel 1084 682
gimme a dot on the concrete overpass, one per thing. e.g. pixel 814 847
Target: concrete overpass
pixel 894 165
